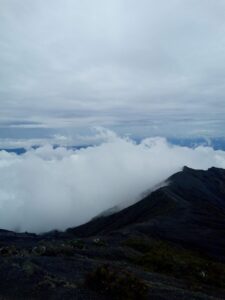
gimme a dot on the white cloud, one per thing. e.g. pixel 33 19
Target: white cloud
pixel 106 61
pixel 50 188
pixel 56 139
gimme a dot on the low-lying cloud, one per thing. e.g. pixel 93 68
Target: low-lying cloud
pixel 49 188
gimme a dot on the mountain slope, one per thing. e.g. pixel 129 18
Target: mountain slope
pixel 189 210
pixel 141 248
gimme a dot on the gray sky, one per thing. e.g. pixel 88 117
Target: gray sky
pixel 147 67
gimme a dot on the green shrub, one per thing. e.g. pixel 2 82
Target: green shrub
pixel 78 244
pixel 116 283
pixel 29 268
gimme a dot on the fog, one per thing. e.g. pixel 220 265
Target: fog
pixel 49 188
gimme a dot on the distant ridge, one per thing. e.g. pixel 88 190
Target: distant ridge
pixel 190 211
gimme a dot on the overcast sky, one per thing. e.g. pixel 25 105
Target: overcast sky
pixel 146 67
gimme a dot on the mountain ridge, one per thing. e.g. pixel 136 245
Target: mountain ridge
pixel 190 209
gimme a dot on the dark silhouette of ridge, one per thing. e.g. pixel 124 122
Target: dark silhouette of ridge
pixel 190 210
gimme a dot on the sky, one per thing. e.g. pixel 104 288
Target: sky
pixel 140 68
pixel 105 74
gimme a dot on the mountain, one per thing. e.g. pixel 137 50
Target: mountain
pixel 169 245
pixel 189 210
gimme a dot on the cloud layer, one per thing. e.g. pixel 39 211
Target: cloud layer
pixel 48 188
pixel 135 66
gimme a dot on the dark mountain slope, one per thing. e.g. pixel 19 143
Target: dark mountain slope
pixel 138 253
pixel 190 210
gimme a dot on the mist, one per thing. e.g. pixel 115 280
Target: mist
pixel 56 188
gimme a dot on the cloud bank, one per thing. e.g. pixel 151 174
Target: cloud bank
pixel 136 65
pixel 49 188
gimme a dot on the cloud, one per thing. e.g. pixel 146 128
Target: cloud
pixel 116 63
pixel 57 139
pixel 49 188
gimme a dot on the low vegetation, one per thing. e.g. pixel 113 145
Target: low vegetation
pixel 116 283
pixel 162 257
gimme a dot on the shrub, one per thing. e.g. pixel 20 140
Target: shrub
pixel 78 244
pixel 116 283
pixel 30 268
pixel 9 251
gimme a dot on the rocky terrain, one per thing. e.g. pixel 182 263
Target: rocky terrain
pixel 169 245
